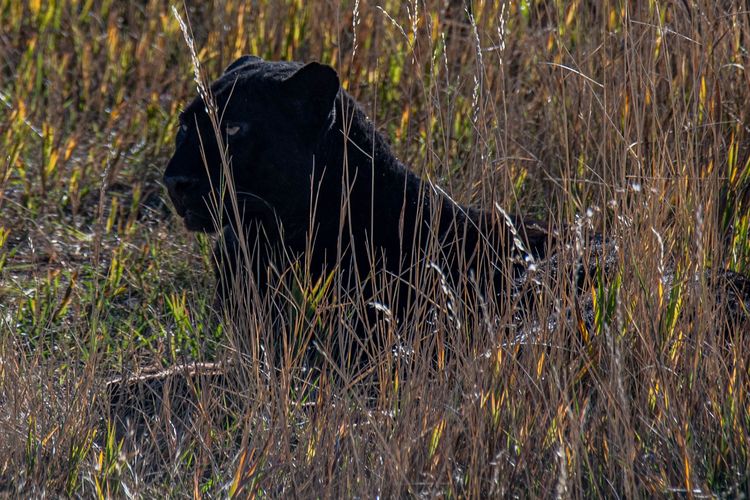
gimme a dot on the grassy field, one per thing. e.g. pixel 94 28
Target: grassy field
pixel 629 119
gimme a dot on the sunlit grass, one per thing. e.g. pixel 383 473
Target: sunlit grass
pixel 627 119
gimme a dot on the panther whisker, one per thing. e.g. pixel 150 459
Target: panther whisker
pixel 247 194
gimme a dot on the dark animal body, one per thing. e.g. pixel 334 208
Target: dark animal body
pixel 313 178
pixel 312 175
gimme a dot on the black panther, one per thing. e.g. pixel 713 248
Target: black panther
pixel 310 176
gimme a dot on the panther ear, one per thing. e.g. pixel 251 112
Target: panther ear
pixel 241 61
pixel 312 90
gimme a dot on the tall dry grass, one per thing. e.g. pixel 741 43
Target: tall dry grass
pixel 620 118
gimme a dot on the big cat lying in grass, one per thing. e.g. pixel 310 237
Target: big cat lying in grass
pixel 286 164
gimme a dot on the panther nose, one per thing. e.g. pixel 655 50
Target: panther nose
pixel 179 183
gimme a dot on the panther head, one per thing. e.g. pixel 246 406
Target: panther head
pixel 271 115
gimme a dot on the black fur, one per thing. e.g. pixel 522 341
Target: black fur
pixel 304 149
pixel 313 178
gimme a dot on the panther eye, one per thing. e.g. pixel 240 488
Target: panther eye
pixel 232 129
pixel 181 133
